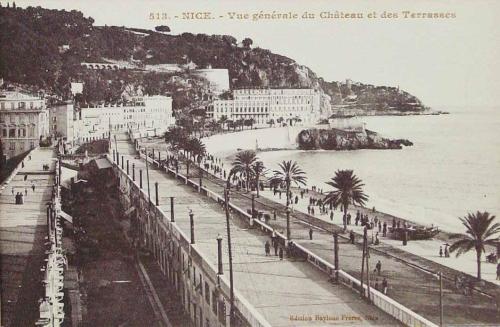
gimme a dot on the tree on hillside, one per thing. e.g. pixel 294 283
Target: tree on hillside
pixel 162 28
pixel 258 169
pixel 348 189
pixel 480 232
pixel 247 42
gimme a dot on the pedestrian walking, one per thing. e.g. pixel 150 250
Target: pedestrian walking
pixel 296 199
pixel 446 251
pixel 351 236
pixel 378 267
pixel 276 246
pixel 331 215
pixel 274 214
pixel 384 229
pixel 385 285
pixel 267 247
pixel 281 253
pixel 33 187
pixel 310 234
pixel 441 251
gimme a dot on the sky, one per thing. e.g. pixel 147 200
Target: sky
pixel 444 62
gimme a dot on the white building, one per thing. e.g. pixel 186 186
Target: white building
pixel 24 121
pixel 264 105
pixel 147 113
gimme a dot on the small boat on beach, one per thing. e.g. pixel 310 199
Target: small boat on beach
pixel 414 232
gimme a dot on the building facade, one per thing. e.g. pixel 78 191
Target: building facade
pixel 266 105
pixel 24 122
pixel 79 125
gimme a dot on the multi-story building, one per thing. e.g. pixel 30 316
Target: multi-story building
pixel 24 122
pixel 146 113
pixel 265 105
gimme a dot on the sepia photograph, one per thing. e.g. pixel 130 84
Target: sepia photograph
pixel 249 163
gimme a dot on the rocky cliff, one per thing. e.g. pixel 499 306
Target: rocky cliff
pixel 333 139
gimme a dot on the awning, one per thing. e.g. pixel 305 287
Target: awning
pixel 65 216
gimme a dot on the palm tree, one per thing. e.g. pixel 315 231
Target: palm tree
pixel 289 173
pixel 348 189
pixel 243 165
pixel 195 149
pixel 480 231
pixel 258 170
pixel 223 120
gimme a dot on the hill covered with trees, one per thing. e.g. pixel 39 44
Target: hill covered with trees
pixel 45 48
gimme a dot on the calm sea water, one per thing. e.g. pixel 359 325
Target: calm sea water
pixel 452 169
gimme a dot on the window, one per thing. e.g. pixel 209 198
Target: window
pixel 12 146
pixel 207 293
pixel 12 132
pixel 214 302
pixel 4 132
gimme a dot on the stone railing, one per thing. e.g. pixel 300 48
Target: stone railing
pixel 51 305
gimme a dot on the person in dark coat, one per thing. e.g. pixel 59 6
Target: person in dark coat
pixel 310 233
pixel 281 253
pixel 267 247
pixel 385 285
pixel 378 267
pixel 276 246
pixel 351 237
pixel 384 229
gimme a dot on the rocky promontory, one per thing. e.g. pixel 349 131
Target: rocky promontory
pixel 335 139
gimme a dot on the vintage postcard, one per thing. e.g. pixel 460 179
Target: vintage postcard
pixel 249 163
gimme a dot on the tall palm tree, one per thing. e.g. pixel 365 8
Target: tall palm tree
pixel 258 170
pixel 243 165
pixel 288 173
pixel 195 149
pixel 348 189
pixel 480 231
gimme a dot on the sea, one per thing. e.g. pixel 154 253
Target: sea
pixel 452 169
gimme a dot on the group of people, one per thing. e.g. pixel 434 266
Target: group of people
pixel 446 251
pixel 278 249
pixel 19 196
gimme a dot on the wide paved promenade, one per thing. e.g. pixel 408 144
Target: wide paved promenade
pixel 409 285
pixel 22 231
pixel 280 290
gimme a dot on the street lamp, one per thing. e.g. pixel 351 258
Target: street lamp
pixel 191 223
pixel 288 224
pixel 219 254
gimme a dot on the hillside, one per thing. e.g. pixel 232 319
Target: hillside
pixel 44 48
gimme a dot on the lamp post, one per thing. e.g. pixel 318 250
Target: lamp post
pixel 288 224
pixel 191 223
pixel 172 217
pixel 253 205
pixel 128 172
pixel 231 281
pixel 336 254
pixel 140 178
pixel 156 193
pixel 133 172
pixel 219 255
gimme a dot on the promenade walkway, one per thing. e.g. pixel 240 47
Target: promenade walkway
pixel 281 290
pixel 408 284
pixel 22 232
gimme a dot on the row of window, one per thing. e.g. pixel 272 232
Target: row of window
pixel 21 146
pixel 17 118
pixel 18 132
pixel 20 105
